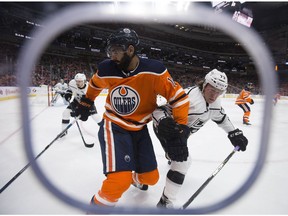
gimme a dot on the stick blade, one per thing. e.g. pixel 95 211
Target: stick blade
pixel 89 145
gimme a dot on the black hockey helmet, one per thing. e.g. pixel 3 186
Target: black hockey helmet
pixel 123 36
pixel 249 86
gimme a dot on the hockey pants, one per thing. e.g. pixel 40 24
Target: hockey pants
pixel 117 183
pixel 246 110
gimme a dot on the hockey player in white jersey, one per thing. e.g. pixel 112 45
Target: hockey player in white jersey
pixel 77 88
pixel 205 104
pixel 59 90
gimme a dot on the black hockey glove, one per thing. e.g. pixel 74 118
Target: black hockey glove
pixel 176 148
pixel 68 95
pixel 169 129
pixel 252 102
pixel 72 106
pixel 85 108
pixel 175 136
pixel 238 139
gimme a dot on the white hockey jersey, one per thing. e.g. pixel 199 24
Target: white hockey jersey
pixel 199 113
pixel 77 92
pixel 60 87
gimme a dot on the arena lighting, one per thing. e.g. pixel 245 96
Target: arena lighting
pixel 22 36
pixel 96 38
pixel 75 15
pixel 32 23
pixel 223 4
pixel 160 5
pixel 153 48
pixel 220 6
pixel 182 5
pixel 136 7
pixel 223 61
pixel 215 3
pixel 19 35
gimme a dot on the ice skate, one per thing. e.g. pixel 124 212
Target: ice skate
pixel 246 122
pixel 92 201
pixel 164 202
pixel 137 184
pixel 140 186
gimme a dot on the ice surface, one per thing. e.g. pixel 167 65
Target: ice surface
pixel 77 170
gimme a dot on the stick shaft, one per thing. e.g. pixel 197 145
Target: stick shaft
pixel 209 179
pixel 27 165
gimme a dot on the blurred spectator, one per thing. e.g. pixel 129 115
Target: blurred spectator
pixel 52 67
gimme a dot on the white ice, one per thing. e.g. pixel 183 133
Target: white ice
pixel 78 170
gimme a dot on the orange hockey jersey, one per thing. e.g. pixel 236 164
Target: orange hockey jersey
pixel 132 96
pixel 244 97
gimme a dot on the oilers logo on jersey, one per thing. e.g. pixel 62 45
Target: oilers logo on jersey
pixel 124 100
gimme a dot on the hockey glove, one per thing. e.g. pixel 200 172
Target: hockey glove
pixel 72 106
pixel 85 108
pixel 176 148
pixel 68 95
pixel 238 139
pixel 252 102
pixel 169 129
pixel 175 136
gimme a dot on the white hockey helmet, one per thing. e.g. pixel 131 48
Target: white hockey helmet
pixel 217 79
pixel 80 77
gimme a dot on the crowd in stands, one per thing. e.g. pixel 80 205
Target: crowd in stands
pixel 187 59
pixel 51 68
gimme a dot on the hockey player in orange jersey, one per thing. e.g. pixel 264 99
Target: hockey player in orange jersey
pixel 133 83
pixel 242 101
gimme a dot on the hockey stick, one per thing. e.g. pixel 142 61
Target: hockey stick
pixel 209 179
pixel 54 98
pixel 27 165
pixel 88 145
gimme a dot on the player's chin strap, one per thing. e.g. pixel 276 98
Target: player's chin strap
pixel 210 178
pixel 24 168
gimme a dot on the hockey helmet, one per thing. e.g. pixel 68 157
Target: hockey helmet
pixel 217 79
pixel 249 86
pixel 80 77
pixel 123 36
